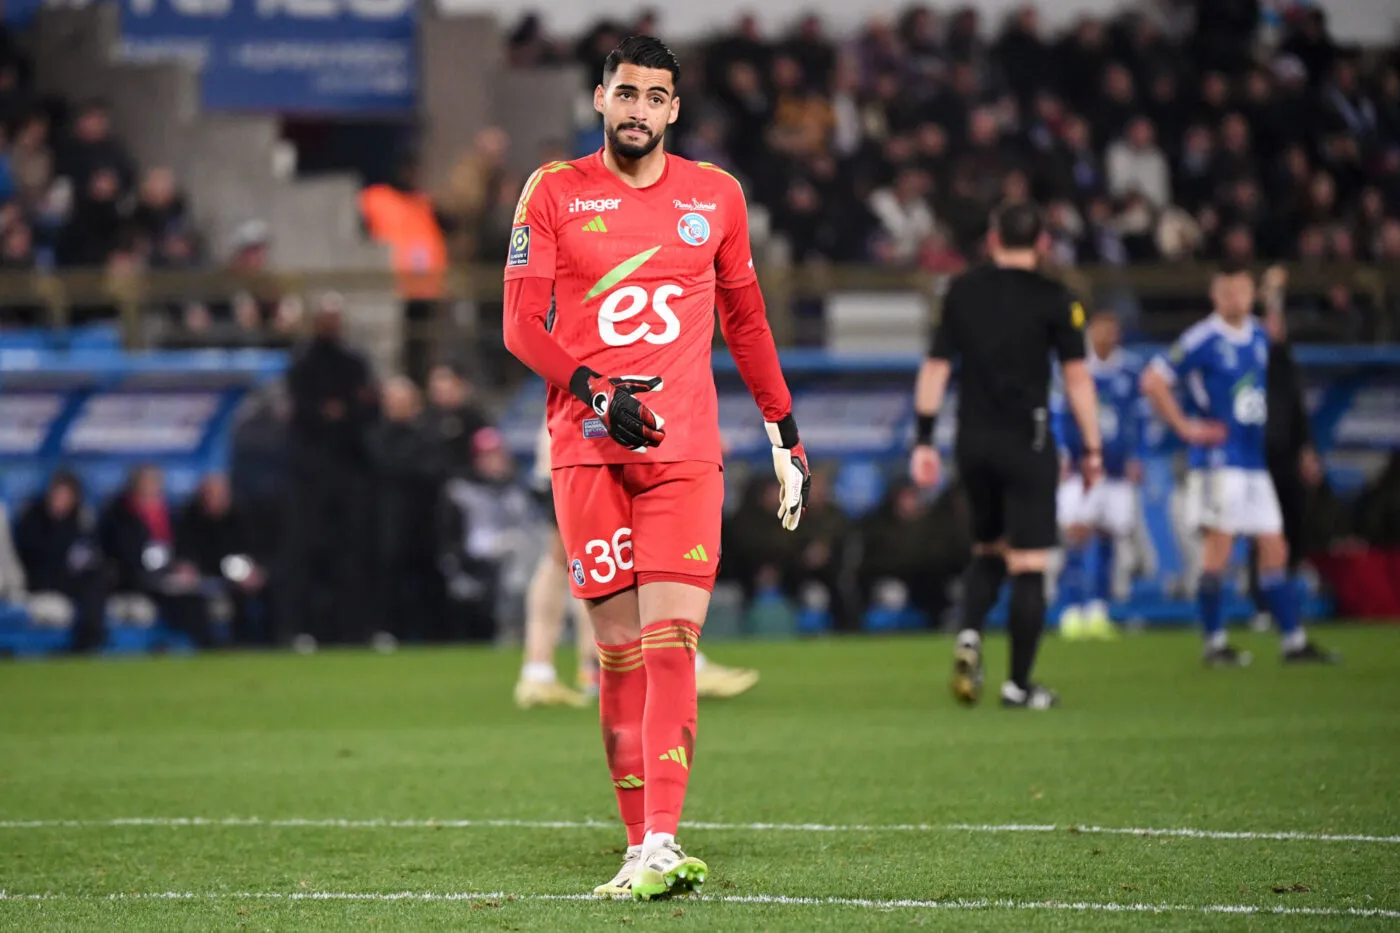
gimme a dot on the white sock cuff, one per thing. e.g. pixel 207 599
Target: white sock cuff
pixel 538 672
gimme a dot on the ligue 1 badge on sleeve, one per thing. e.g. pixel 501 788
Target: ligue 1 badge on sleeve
pixel 694 228
pixel 576 568
pixel 519 246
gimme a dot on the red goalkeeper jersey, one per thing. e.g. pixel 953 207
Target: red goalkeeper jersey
pixel 635 272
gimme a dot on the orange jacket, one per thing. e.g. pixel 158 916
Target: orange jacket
pixel 405 221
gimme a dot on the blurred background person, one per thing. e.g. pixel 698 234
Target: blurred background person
pixel 483 534
pixel 410 466
pixel 56 541
pixel 329 591
pixel 215 536
pixel 138 540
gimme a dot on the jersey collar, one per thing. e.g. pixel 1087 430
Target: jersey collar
pixel 1240 336
pixel 646 193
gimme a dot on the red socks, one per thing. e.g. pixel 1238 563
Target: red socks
pixel 668 723
pixel 622 695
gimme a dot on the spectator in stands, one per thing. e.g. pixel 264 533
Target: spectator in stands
pixel 327 565
pixel 453 419
pixel 17 247
pixel 56 539
pixel 802 118
pixel 410 468
pixel 91 148
pixel 402 216
pixel 1136 165
pixel 1074 169
pixel 754 554
pixel 214 535
pixel 893 572
pixel 138 540
pixel 1025 58
pixel 160 207
pixel 1117 103
pixel 906 220
pixel 31 161
pixel 483 534
pixel 816 559
pixel 1195 177
pixel 528 46
pixel 92 231
pixel 477 185
pixel 814 53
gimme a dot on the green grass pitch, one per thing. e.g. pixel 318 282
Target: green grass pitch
pixel 845 792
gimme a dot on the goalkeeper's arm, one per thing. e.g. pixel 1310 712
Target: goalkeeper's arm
pixel 628 421
pixel 743 319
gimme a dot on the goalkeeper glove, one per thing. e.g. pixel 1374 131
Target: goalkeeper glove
pixel 628 421
pixel 790 463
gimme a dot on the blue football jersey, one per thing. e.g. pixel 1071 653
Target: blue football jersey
pixel 1223 372
pixel 1116 379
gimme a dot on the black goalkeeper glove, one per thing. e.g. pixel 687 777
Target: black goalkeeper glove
pixel 614 401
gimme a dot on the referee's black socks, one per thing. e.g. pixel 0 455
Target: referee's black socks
pixel 981 584
pixel 1025 620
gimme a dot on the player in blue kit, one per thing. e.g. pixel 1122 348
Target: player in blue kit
pixel 1222 365
pixel 1096 522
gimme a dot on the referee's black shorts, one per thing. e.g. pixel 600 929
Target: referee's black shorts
pixel 1011 488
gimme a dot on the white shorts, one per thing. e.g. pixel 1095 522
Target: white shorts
pixel 1233 500
pixel 1110 505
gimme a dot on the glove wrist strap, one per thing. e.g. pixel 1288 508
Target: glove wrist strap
pixel 783 433
pixel 578 385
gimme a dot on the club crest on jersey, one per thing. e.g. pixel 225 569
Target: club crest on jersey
pixel 519 246
pixel 576 568
pixel 694 229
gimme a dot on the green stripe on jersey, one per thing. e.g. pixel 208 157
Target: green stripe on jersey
pixel 619 272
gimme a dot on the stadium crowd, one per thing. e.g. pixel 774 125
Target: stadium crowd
pixel 1184 129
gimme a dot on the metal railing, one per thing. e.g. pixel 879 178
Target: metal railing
pixel 133 295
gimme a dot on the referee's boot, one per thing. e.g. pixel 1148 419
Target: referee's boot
pixel 1034 696
pixel 967 671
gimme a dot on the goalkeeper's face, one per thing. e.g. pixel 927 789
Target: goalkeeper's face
pixel 637 105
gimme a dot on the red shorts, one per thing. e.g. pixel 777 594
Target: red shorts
pixel 626 524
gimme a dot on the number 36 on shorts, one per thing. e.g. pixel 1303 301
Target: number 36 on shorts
pixel 608 558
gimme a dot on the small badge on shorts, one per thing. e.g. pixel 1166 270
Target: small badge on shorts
pixel 519 246
pixel 593 428
pixel 576 568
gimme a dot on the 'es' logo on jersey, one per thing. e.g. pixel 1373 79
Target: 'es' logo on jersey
pixel 694 229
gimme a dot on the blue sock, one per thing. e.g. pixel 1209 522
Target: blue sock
pixel 1103 569
pixel 1212 605
pixel 1281 599
pixel 1073 576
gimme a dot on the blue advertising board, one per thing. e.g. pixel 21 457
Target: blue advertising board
pixel 320 56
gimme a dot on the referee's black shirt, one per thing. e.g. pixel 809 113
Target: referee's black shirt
pixel 1003 324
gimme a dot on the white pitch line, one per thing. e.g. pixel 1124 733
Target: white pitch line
pixel 301 823
pixel 753 899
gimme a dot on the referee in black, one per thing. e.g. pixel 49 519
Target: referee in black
pixel 1002 321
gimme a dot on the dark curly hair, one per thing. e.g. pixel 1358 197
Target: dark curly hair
pixel 644 52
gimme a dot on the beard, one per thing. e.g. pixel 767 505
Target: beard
pixel 632 150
